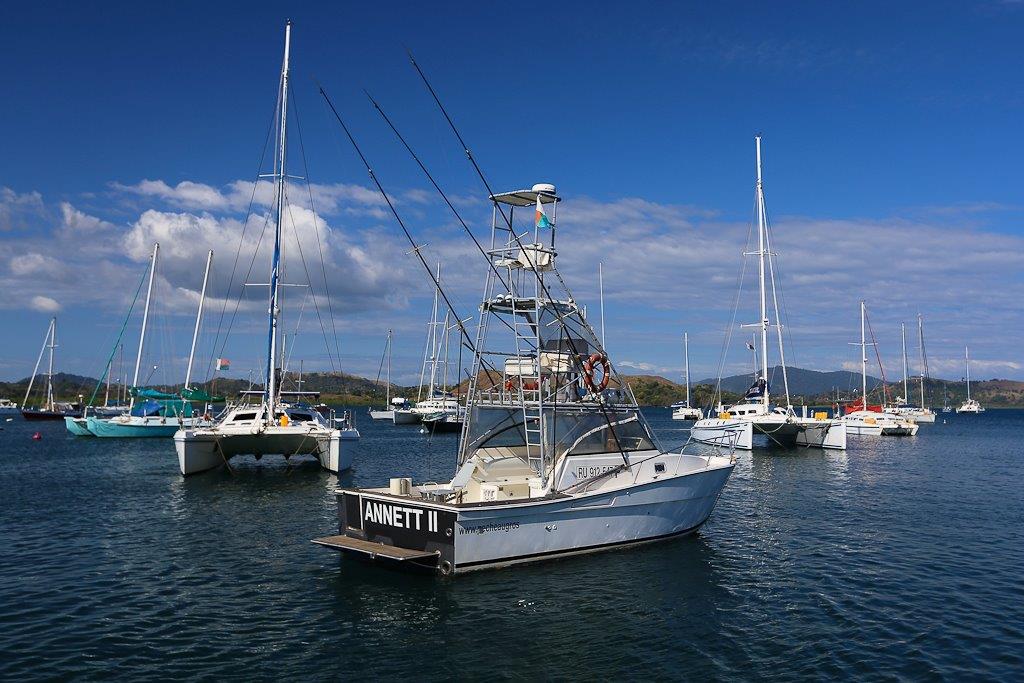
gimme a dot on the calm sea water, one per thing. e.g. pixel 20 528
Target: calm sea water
pixel 902 557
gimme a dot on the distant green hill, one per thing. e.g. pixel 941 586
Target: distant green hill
pixel 801 382
pixel 806 386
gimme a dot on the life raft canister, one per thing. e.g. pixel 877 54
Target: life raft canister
pixel 588 372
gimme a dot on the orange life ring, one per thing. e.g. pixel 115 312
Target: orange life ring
pixel 588 372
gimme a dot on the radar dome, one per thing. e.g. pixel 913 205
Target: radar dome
pixel 546 188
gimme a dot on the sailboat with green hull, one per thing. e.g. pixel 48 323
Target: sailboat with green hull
pixel 153 413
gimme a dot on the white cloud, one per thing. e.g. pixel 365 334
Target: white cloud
pixel 44 304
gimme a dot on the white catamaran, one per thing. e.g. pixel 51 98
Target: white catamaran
pixel 755 413
pixel 272 426
pixel 683 410
pixel 970 405
pixel 555 457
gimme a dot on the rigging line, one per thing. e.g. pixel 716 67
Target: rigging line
pixel 241 293
pixel 319 243
pixel 120 334
pixel 532 266
pixel 730 328
pixel 316 306
pixel 878 356
pixel 417 249
pixel 775 304
pixel 437 187
pixel 241 240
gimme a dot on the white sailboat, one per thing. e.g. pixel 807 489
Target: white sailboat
pixel 49 409
pixel 437 404
pixel 391 404
pixel 902 407
pixel 781 425
pixel 555 457
pixel 683 410
pixel 922 414
pixel 970 405
pixel 273 426
pixel 862 420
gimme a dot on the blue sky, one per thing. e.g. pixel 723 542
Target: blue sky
pixel 892 150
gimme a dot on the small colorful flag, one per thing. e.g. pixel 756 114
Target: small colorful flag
pixel 542 218
pixel 223 364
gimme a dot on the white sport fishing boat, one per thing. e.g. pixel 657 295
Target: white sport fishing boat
pixel 970 405
pixel 274 425
pixel 863 420
pixel 683 410
pixel 555 457
pixel 781 425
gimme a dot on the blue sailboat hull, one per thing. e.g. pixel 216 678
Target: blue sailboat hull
pixel 133 429
pixel 77 426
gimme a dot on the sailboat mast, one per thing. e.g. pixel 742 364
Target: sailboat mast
pixel 686 356
pixel 387 387
pixel 761 274
pixel 903 332
pixel 270 396
pixel 863 361
pixel 145 320
pixel 967 365
pixel 49 371
pixel 433 338
pixel 920 346
pixel 199 317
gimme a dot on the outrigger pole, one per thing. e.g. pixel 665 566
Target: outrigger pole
pixel 540 280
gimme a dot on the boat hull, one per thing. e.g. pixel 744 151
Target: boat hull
pixel 137 428
pixel 405 417
pixel 687 414
pixel 42 415
pixel 77 426
pixel 478 537
pixel 382 414
pixel 730 432
pixel 203 449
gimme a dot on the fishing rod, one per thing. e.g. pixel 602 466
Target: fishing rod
pixel 437 187
pixel 417 249
pixel 540 281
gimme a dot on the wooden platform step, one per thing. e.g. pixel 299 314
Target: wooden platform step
pixel 374 550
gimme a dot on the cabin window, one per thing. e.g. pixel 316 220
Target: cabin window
pixel 300 417
pixel 589 433
pixel 659 467
pixel 243 417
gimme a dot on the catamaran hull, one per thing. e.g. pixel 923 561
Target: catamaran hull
pixel 77 426
pixel 725 433
pixel 142 428
pixel 828 434
pixel 687 414
pixel 200 451
pixel 406 418
pixel 457 540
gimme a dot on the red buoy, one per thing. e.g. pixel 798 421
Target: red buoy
pixel 37 437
